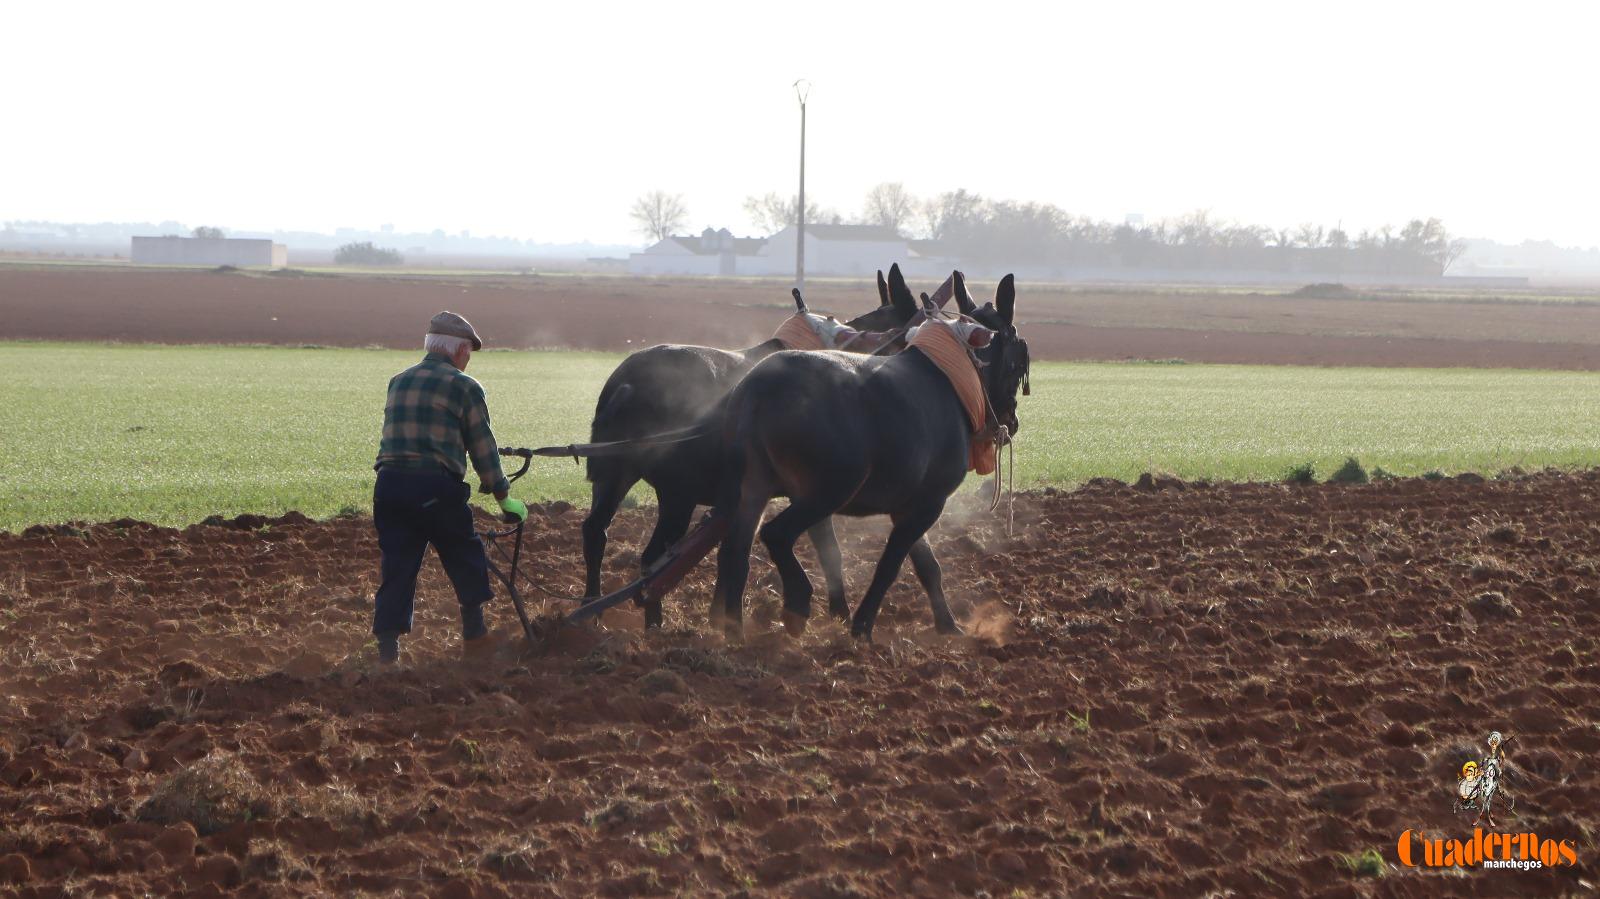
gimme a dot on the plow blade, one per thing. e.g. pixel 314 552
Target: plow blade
pixel 667 572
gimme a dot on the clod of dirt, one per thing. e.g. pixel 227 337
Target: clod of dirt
pixel 600 661
pixel 135 760
pixel 662 680
pixel 14 868
pixel 704 661
pixel 212 794
pixel 1346 797
pixel 1151 482
pixel 1459 675
pixel 969 544
pixel 1103 597
pixel 1495 604
pixel 307 666
pixel 184 672
pixel 616 814
pixel 176 842
pixel 1173 764
pixel 272 860
pixel 216 870
pixel 1538 719
pixel 1506 533
pixel 1399 734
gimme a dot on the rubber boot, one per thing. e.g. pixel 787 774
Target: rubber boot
pixel 476 640
pixel 472 624
pixel 388 648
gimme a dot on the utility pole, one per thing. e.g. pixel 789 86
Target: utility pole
pixel 802 89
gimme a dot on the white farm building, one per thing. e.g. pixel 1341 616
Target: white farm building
pixel 209 251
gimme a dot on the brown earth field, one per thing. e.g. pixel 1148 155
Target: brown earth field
pixel 619 314
pixel 1167 689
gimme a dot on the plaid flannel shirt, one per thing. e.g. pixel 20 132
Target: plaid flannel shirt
pixel 435 416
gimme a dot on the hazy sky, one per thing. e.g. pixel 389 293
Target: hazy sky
pixel 545 121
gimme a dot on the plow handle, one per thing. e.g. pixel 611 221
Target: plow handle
pixel 523 453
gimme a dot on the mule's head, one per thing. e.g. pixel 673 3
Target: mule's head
pixel 898 305
pixel 1005 359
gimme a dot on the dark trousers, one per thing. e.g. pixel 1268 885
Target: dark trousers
pixel 413 509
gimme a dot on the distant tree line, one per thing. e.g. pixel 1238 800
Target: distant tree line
pixel 971 228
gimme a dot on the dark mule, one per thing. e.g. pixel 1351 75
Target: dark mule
pixel 668 388
pixel 847 435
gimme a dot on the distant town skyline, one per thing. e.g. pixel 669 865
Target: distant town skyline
pixel 547 122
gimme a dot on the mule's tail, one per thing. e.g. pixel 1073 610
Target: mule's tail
pixel 607 413
pixel 734 435
pixel 607 410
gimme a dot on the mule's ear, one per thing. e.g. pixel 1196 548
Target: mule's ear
pixel 799 301
pixel 883 289
pixel 963 299
pixel 1005 300
pixel 905 302
pixel 978 338
pixel 930 309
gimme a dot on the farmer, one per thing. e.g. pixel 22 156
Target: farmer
pixel 435 418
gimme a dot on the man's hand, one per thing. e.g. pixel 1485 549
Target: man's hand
pixel 515 509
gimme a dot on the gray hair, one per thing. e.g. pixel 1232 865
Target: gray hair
pixel 444 343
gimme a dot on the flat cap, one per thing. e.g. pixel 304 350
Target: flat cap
pixel 452 325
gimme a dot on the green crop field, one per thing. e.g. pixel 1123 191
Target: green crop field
pixel 174 434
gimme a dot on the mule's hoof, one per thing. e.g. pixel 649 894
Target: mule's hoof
pixel 950 629
pixel 794 623
pixel 733 630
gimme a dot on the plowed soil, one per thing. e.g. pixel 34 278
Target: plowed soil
pixel 622 314
pixel 1179 690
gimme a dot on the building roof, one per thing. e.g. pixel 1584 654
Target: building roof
pixel 742 246
pixel 853 232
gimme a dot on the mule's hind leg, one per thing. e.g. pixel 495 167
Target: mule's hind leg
pixel 733 558
pixel 609 484
pixel 926 565
pixel 779 536
pixel 673 513
pixel 908 529
pixel 827 546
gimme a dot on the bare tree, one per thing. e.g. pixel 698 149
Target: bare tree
pixel 1309 236
pixel 954 215
pixel 889 205
pixel 659 213
pixel 772 213
pixel 206 232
